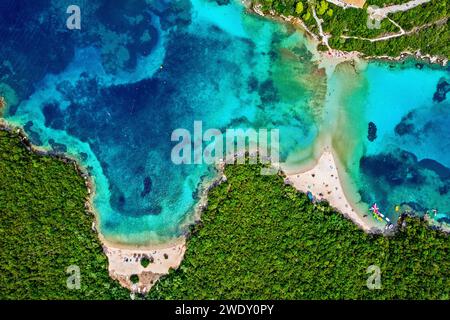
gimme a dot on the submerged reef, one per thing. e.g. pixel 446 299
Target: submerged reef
pixel 442 89
pixel 112 94
pixel 299 242
pixel 398 168
pixel 113 97
pixel 372 131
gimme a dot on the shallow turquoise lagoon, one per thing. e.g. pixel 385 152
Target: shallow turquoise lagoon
pixel 112 93
pixel 405 166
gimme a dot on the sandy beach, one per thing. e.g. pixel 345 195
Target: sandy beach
pixel 125 262
pixel 324 184
pixel 321 179
pixel 330 59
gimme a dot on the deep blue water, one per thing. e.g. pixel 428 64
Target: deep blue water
pixel 112 93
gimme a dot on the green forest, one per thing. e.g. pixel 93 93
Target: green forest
pixel 45 229
pixel 352 22
pixel 261 239
pixel 258 239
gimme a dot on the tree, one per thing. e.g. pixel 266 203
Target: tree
pixel 299 8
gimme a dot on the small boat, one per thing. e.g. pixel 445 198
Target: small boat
pixel 378 215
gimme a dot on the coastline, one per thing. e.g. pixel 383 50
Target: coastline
pixel 324 153
pixel 323 182
pixel 417 56
pixel 125 260
pixel 334 53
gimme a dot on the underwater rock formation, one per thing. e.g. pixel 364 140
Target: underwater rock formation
pixel 441 91
pixel 372 132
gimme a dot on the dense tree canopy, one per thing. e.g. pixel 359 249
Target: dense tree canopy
pixel 261 239
pixel 431 37
pixel 44 230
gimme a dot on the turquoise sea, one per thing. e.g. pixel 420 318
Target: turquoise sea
pixel 406 167
pixel 112 93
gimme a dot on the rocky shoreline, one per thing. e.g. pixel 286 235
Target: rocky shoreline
pixel 417 56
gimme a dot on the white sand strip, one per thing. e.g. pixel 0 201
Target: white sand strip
pixel 324 184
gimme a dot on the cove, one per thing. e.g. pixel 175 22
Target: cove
pixel 112 93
